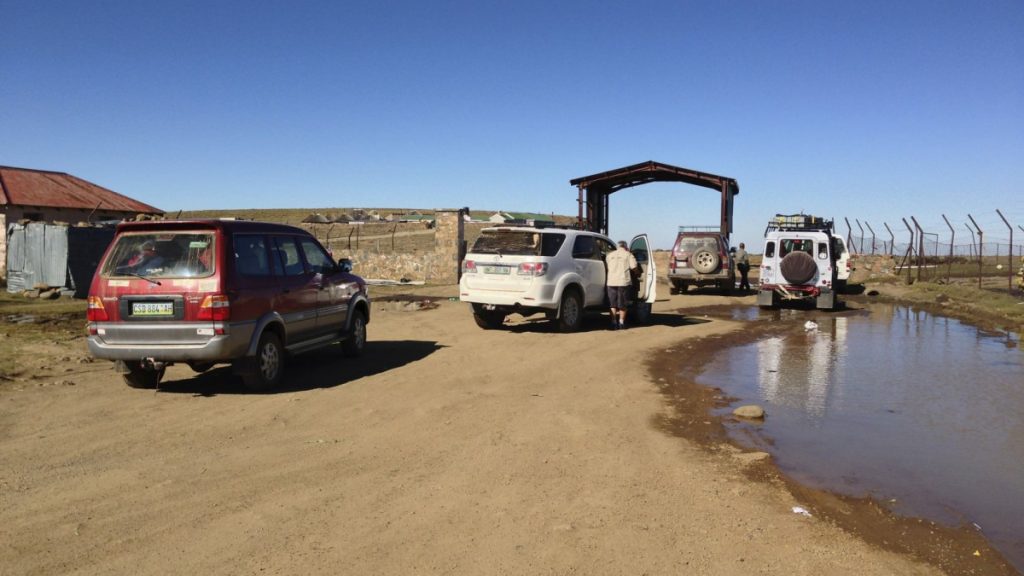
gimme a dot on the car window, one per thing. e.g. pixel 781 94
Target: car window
pixel 769 250
pixel 604 247
pixel 639 250
pixel 162 255
pixel 788 245
pixel 319 261
pixel 583 247
pixel 287 256
pixel 251 255
pixel 823 250
pixel 551 243
pixel 518 243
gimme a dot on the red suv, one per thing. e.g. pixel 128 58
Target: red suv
pixel 206 292
pixel 701 256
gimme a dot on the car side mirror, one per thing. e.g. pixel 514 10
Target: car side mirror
pixel 732 250
pixel 345 264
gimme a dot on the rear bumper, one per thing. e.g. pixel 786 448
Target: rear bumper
pixel 165 342
pixel 542 297
pixel 691 275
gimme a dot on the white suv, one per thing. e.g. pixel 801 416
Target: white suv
pixel 558 272
pixel 799 262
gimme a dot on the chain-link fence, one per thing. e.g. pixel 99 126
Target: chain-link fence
pixel 931 254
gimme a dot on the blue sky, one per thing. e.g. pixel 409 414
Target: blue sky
pixel 867 110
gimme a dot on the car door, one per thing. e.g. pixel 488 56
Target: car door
pixel 589 265
pixel 297 301
pixel 335 287
pixel 640 247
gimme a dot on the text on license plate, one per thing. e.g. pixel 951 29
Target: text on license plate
pixel 497 270
pixel 152 308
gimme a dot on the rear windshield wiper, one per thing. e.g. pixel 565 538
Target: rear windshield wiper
pixel 146 278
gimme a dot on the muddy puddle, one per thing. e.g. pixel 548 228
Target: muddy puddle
pixel 920 413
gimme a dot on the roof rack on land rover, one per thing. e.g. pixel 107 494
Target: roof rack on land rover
pixel 699 228
pixel 795 222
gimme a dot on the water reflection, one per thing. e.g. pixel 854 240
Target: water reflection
pixel 799 372
pixel 895 403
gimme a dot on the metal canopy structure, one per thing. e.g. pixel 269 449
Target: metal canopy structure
pixel 595 189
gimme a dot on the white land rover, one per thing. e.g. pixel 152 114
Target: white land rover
pixel 555 271
pixel 799 262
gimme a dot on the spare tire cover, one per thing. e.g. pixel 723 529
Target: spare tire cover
pixel 798 267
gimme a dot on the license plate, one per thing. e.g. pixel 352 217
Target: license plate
pixel 497 270
pixel 152 309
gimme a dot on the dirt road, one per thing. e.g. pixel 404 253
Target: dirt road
pixel 446 449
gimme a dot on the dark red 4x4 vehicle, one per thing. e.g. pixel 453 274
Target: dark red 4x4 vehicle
pixel 701 256
pixel 205 292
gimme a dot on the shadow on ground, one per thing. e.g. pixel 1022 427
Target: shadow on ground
pixel 600 323
pixel 324 368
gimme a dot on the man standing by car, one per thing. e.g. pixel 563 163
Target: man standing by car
pixel 743 265
pixel 620 264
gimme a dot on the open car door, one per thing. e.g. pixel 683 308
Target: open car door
pixel 646 290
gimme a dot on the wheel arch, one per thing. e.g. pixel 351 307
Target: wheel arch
pixel 272 322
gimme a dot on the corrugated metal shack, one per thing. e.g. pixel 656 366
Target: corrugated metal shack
pixel 43 255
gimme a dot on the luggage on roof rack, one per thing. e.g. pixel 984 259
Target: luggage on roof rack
pixel 799 222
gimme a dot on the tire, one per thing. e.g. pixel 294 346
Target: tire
pixel 705 261
pixel 798 267
pixel 570 315
pixel 200 367
pixel 356 341
pixel 140 377
pixel 269 364
pixel 487 319
pixel 680 287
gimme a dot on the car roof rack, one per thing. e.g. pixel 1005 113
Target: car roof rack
pixel 535 225
pixel 708 228
pixel 799 222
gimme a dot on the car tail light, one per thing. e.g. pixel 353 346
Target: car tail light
pixel 672 263
pixel 468 267
pixel 95 311
pixel 215 307
pixel 533 268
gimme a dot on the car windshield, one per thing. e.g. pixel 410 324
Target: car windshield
pixel 161 255
pixel 518 243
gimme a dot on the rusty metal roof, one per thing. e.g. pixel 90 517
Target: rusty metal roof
pixel 42 188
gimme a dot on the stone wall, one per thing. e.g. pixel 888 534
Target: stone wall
pixel 403 251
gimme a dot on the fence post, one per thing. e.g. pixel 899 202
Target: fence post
pixel 981 248
pixel 849 234
pixel 872 237
pixel 1009 273
pixel 920 246
pixel 861 235
pixel 892 238
pixel 952 237
pixel 910 249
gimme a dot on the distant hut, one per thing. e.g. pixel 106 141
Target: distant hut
pixel 316 219
pixel 342 218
